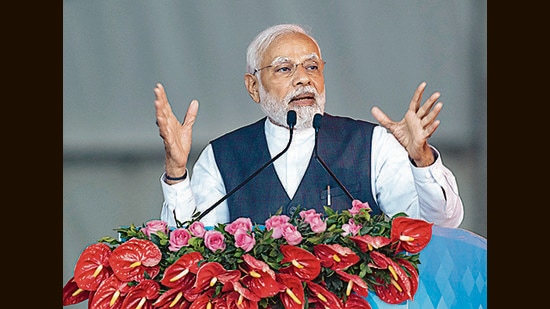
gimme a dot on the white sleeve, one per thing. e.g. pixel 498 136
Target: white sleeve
pixel 179 198
pixel 429 193
pixel 438 195
pixel 198 192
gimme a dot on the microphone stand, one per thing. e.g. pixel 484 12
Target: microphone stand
pixel 291 121
pixel 316 126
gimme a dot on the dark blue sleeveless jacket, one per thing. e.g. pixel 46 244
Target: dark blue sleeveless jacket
pixel 343 143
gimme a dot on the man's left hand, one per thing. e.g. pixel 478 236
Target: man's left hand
pixel 418 125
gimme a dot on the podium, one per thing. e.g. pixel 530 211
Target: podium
pixel 452 273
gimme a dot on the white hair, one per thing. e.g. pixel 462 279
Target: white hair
pixel 262 41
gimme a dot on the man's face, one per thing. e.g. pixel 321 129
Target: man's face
pixel 303 90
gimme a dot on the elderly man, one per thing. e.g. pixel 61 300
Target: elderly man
pixel 390 166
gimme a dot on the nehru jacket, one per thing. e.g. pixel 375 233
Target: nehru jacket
pixel 344 144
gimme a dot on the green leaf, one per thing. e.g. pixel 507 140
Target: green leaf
pixel 109 240
pixel 329 211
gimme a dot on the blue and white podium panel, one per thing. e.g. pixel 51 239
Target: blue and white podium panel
pixel 452 273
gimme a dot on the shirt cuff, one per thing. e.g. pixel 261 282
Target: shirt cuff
pixel 426 174
pixel 177 194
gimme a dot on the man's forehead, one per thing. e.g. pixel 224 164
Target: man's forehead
pixel 294 46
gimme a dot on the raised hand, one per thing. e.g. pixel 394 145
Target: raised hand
pixel 418 125
pixel 177 136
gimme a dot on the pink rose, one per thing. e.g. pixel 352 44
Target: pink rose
pixel 357 205
pixel 308 215
pixel 153 226
pixel 317 224
pixel 214 240
pixel 244 224
pixel 351 228
pixel 244 240
pixel 275 223
pixel 313 218
pixel 197 229
pixel 178 238
pixel 290 234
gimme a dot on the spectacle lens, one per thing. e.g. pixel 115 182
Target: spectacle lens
pixel 313 67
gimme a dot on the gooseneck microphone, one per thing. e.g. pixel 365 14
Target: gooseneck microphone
pixel 291 121
pixel 317 125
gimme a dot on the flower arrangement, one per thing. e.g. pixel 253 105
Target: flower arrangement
pixel 307 260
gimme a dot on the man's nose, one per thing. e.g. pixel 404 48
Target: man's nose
pixel 300 76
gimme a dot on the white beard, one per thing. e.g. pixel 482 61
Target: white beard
pixel 276 110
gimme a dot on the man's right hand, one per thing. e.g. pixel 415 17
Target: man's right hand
pixel 177 136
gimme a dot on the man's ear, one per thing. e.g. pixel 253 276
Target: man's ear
pixel 252 86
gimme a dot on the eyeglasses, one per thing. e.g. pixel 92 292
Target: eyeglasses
pixel 313 67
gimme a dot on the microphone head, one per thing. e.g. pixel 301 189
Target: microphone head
pixel 317 121
pixel 291 118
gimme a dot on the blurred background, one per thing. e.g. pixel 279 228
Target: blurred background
pixel 377 52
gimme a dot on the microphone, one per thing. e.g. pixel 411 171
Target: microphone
pixel 291 121
pixel 317 125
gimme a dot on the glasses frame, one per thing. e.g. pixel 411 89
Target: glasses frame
pixel 295 65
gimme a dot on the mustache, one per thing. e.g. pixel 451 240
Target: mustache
pixel 300 91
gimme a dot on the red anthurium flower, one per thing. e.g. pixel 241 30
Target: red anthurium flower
pixel 293 296
pixel 323 297
pixel 304 264
pixel 251 263
pixel 222 302
pixel 109 294
pixel 260 278
pixel 204 301
pixel 192 294
pixel 142 295
pixel 187 263
pixel 335 256
pixel 131 259
pixel 400 287
pixel 355 283
pixel 389 293
pixel 368 242
pixel 240 297
pixel 173 299
pixel 356 302
pixel 236 301
pixel 399 278
pixel 211 272
pixel 72 294
pixel 93 267
pixel 413 278
pixel 379 260
pixel 411 234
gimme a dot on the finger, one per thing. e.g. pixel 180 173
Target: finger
pixel 162 106
pixel 427 106
pixel 161 92
pixel 160 98
pixel 432 115
pixel 431 129
pixel 158 90
pixel 191 114
pixel 417 97
pixel 381 117
pixel 163 113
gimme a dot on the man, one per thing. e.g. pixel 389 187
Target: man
pixel 392 167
